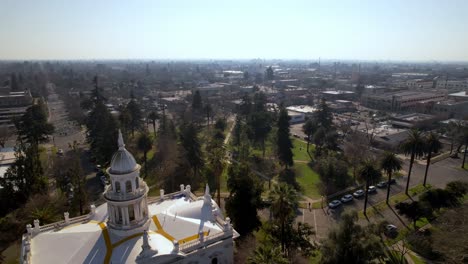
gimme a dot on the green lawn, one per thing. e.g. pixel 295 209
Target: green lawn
pixel 307 179
pixel 300 149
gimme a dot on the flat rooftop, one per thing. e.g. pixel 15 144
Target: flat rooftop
pixel 305 109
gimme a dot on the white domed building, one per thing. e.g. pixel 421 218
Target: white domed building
pixel 134 228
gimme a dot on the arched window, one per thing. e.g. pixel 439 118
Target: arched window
pixel 137 183
pixel 131 212
pixel 214 261
pixel 117 187
pixel 128 186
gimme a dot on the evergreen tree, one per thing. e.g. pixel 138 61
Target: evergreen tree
pixel 32 127
pixel 244 199
pixel 197 101
pixel 267 254
pixel 260 125
pixel 135 115
pixel 284 143
pixel 413 211
pixel 101 126
pixel 144 144
pixel 323 115
pixel 269 74
pixel 191 145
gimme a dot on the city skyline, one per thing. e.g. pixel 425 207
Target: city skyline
pixel 345 30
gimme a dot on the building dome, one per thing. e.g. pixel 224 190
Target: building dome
pixel 123 161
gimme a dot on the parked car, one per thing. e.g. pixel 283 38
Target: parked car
pixel 334 204
pixel 382 184
pixel 60 152
pixel 392 181
pixel 358 193
pixel 347 198
pixel 391 230
pixel 372 189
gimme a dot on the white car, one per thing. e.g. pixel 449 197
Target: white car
pixel 347 198
pixel 358 193
pixel 372 189
pixel 334 204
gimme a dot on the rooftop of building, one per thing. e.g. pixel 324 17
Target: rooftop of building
pixel 338 92
pixel 305 109
pixel 460 94
pixel 180 223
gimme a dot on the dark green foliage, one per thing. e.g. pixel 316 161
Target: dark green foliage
pixel 350 243
pixel 259 124
pixel 134 112
pixel 33 127
pixel 269 74
pixel 101 126
pixel 197 101
pixel 457 188
pixel 288 176
pixel 25 177
pixel 283 141
pixel 191 144
pixel 437 198
pixel 267 254
pixel 323 116
pixel 221 124
pixel 414 211
pixel 333 174
pixel 244 199
pixel 144 144
pixel 284 203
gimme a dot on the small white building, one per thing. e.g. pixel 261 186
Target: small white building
pixel 132 228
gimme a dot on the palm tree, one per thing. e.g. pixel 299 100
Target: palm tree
pixel 284 202
pixel 433 145
pixel 144 144
pixel 414 146
pixel 267 254
pixel 153 116
pixel 390 163
pixel 369 174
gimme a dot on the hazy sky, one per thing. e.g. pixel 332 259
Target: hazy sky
pixel 112 29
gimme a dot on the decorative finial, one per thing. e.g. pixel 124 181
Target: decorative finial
pixel 121 141
pixel 207 190
pixel 207 196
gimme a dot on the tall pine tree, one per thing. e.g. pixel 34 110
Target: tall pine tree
pixel 284 144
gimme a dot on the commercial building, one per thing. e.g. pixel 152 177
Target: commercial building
pixel 400 101
pixel 414 120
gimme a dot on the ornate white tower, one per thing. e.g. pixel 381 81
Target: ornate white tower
pixel 126 195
